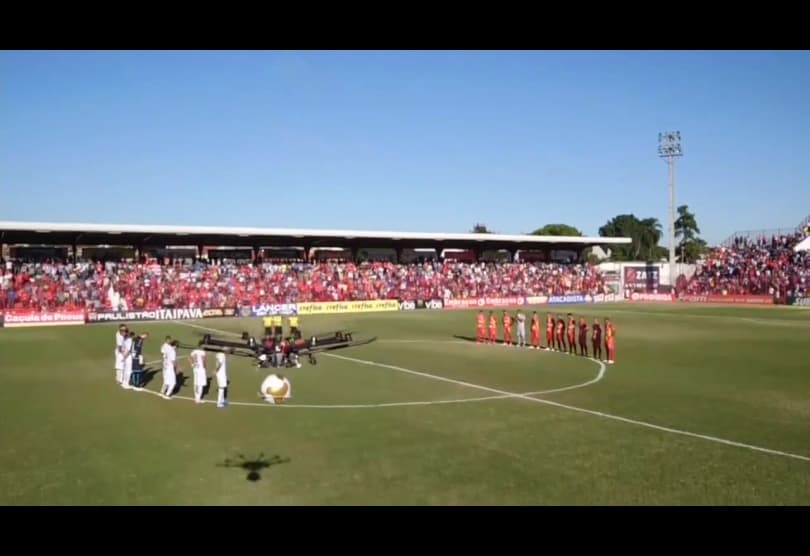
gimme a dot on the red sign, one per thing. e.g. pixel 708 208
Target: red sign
pixel 660 297
pixel 19 318
pixel 483 302
pixel 728 299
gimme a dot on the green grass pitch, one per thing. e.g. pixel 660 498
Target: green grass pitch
pixel 687 415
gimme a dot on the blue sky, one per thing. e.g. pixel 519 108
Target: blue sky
pixel 406 141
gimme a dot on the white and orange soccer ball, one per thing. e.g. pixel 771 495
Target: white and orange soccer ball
pixel 276 388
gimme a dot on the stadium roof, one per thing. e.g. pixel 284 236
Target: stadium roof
pixel 126 234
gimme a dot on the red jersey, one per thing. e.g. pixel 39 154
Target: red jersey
pixel 610 333
pixel 550 324
pixel 597 332
pixel 583 329
pixel 481 321
pixel 507 321
pixel 572 327
pixel 536 324
pixel 493 323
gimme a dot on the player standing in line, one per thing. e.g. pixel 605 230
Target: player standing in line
pixel 480 328
pixel 535 331
pixel 222 380
pixel 583 337
pixel 137 360
pixel 610 342
pixel 560 333
pixel 493 328
pixel 127 353
pixel 169 372
pixel 549 332
pixel 521 325
pixel 596 340
pixel 572 335
pixel 119 354
pixel 507 329
pixel 197 359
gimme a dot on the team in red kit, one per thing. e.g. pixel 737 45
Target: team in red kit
pixel 566 335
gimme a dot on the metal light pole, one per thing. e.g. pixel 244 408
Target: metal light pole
pixel 669 147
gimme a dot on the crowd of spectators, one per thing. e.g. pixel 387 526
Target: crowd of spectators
pixel 761 266
pixel 129 286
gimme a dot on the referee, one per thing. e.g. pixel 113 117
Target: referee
pixel 267 322
pixel 278 331
pixel 295 332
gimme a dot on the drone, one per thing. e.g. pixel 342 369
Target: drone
pixel 248 346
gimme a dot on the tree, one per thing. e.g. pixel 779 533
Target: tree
pixel 650 236
pixel 557 230
pixel 690 246
pixel 645 235
pixel 480 229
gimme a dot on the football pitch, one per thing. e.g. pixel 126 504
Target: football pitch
pixel 705 405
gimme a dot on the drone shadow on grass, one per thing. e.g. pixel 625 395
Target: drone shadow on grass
pixel 253 466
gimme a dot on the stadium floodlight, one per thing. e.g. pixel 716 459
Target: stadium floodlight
pixel 669 148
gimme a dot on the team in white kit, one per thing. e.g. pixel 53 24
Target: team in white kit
pixel 270 391
pixel 123 357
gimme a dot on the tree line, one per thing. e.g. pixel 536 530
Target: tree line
pixel 645 233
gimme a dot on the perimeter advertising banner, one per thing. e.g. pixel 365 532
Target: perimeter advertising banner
pixel 654 297
pixel 731 299
pixel 338 307
pixel 418 304
pixel 484 302
pixel 16 318
pixel 606 298
pixel 570 298
pixel 155 314
pixel 272 310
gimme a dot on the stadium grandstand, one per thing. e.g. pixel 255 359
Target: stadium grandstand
pixel 101 267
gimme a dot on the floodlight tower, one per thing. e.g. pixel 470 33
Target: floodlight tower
pixel 669 148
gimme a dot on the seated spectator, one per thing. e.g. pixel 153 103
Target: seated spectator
pixel 151 285
pixel 765 266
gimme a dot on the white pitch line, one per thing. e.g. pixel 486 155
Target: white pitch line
pixel 574 408
pixel 578 409
pixel 599 376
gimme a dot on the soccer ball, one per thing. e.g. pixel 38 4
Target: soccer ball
pixel 276 387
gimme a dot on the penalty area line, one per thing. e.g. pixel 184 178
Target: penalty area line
pixel 601 414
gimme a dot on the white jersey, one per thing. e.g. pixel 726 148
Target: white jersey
pixel 119 356
pixel 222 370
pixel 127 349
pixel 198 359
pixel 166 352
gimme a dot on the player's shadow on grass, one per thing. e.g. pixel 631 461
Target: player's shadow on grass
pixel 148 375
pixel 253 466
pixel 465 338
